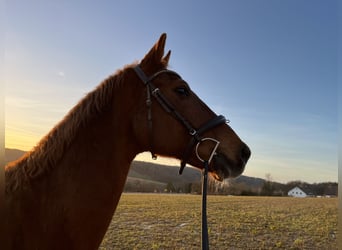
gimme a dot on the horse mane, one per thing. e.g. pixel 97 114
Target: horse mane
pixel 49 151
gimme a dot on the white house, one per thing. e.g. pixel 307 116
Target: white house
pixel 297 192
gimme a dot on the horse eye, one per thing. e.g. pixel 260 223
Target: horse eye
pixel 182 91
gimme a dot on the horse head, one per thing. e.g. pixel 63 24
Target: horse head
pixel 170 120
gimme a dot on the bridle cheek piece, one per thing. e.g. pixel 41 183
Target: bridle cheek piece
pixel 196 134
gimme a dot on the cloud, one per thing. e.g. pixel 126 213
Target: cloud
pixel 61 73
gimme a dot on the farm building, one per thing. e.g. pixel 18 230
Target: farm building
pixel 297 192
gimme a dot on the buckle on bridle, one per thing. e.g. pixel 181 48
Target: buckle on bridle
pixel 193 132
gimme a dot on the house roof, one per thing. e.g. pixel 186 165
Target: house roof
pixel 306 190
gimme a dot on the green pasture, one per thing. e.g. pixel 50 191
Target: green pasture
pixel 161 221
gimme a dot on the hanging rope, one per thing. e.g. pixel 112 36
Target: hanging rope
pixel 205 237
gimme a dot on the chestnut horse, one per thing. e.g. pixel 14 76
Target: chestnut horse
pixel 63 194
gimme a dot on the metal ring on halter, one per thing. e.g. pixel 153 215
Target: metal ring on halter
pixel 212 152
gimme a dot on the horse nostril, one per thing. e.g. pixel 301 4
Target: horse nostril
pixel 245 153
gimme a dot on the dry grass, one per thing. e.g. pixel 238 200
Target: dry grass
pixel 148 221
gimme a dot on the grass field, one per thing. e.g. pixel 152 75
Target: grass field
pixel 157 221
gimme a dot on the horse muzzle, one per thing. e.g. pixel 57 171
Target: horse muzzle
pixel 222 167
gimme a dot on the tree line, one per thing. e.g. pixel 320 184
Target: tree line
pixel 266 188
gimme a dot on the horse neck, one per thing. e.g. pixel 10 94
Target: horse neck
pixel 85 186
pixel 98 159
pixel 94 170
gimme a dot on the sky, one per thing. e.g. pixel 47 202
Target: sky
pixel 268 66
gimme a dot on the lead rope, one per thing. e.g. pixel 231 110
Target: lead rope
pixel 205 236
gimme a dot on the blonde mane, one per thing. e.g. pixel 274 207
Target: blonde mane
pixel 48 152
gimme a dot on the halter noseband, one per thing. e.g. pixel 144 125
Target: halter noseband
pixel 169 108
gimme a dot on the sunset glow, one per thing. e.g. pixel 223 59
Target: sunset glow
pixel 270 67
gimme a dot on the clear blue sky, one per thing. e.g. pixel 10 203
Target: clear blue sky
pixel 269 66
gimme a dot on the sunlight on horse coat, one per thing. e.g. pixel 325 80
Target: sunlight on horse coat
pixel 63 194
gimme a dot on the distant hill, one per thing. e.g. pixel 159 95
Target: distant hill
pixel 152 177
pixel 252 182
pixel 13 154
pixel 147 176
pixel 167 175
pixel 163 173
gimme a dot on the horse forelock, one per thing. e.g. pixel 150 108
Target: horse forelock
pixel 49 151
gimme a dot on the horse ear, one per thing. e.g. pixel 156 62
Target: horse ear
pixel 155 55
pixel 166 58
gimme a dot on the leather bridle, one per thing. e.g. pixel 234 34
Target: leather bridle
pixel 196 133
pixel 195 141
